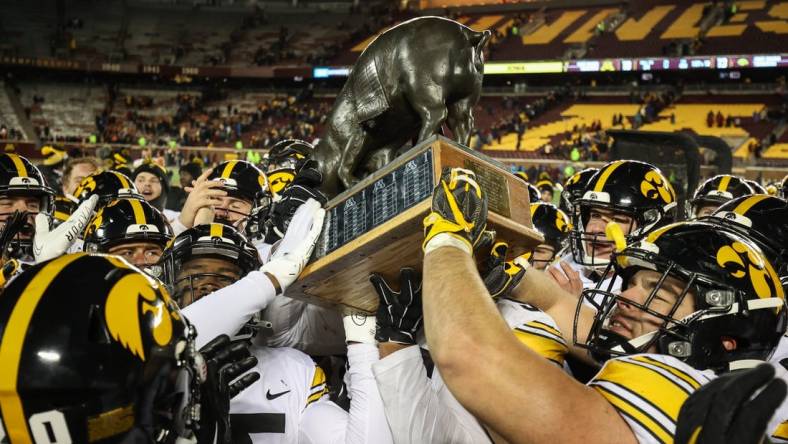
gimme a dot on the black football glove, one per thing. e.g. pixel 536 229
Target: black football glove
pixel 459 212
pixel 399 313
pixel 224 361
pixel 725 412
pixel 303 188
pixel 501 276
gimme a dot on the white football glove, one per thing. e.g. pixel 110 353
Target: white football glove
pixel 51 244
pixel 295 249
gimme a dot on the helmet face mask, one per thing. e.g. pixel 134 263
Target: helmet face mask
pixel 697 284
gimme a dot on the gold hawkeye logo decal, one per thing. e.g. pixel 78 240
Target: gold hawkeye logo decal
pixel 655 186
pixel 740 261
pixel 130 304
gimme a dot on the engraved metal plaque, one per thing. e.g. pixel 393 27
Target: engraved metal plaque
pixel 377 203
pixel 494 184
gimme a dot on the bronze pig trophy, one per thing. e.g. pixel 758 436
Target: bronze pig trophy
pixel 403 87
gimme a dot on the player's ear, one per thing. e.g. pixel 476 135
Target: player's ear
pixel 728 343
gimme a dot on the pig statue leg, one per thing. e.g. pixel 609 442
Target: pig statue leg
pixel 426 98
pixel 352 153
pixel 460 120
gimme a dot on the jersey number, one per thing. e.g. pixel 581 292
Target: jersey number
pixel 245 423
pixel 46 427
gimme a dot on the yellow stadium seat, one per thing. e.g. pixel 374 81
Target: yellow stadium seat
pixel 777 151
pixel 546 33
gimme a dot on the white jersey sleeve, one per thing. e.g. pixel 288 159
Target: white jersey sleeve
pixel 315 330
pixel 327 423
pixel 226 310
pixel 171 215
pixel 418 409
pixel 648 390
pixel 177 226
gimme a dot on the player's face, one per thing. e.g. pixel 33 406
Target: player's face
pixel 597 222
pixel 706 210
pixel 140 254
pixel 78 172
pixel 542 256
pixel 233 211
pixel 632 322
pixel 201 276
pixel 547 196
pixel 149 185
pixel 9 204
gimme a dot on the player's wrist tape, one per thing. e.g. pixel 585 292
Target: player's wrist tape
pixel 359 327
pixel 447 240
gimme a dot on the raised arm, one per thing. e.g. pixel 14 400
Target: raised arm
pixel 486 368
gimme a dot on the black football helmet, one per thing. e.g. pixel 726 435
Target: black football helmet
pixel 762 219
pixel 209 240
pixel 20 178
pixel 242 180
pixel 95 351
pixel 63 209
pixel 108 185
pixel 554 225
pixel 533 194
pixel 735 290
pixel 288 154
pixel 574 187
pixel 126 221
pixel 636 189
pixel 756 187
pixel 718 190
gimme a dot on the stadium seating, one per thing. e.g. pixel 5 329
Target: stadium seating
pixel 68 110
pixel 7 115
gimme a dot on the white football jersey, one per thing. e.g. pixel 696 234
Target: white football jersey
pixel 271 409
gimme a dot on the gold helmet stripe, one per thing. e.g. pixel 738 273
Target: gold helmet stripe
pixel 745 205
pixel 228 169
pixel 606 174
pixel 11 347
pixel 139 213
pixel 123 181
pixel 19 165
pixel 726 180
pixel 217 230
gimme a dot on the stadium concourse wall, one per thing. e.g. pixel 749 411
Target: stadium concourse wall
pixel 218 154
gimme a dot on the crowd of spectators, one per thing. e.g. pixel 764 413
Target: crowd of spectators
pixel 205 121
pixel 516 115
pixel 10 133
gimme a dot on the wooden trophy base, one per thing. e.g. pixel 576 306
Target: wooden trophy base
pixel 376 226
